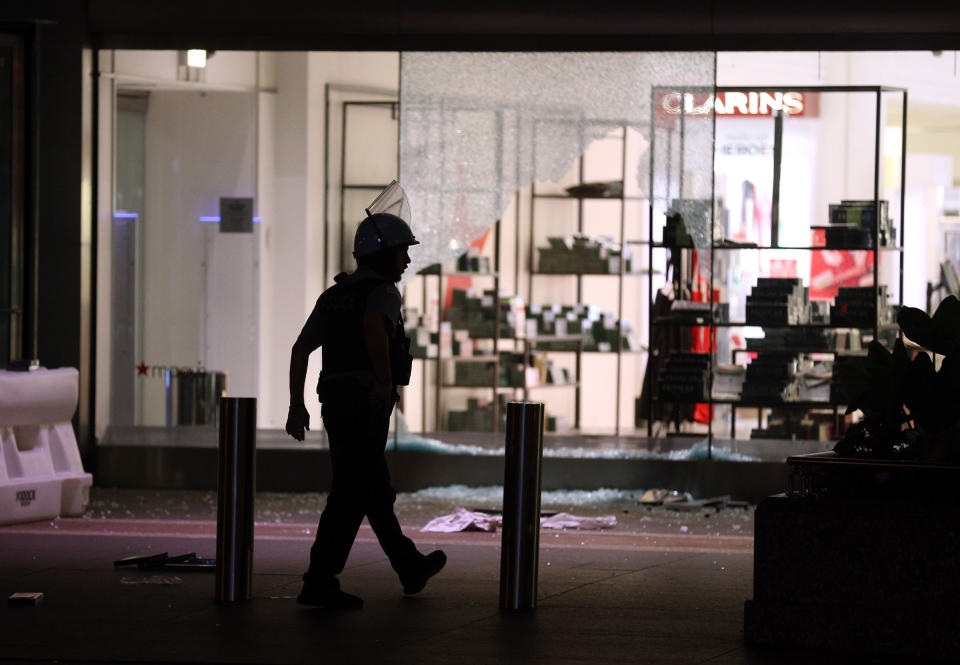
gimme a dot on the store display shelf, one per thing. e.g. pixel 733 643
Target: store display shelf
pixel 460 386
pixel 744 324
pixel 456 273
pixel 632 273
pixel 757 403
pixel 772 404
pixel 552 338
pixel 805 248
pixel 364 186
pixel 581 198
pixel 473 359
pixel 611 352
pixel 775 404
pixel 802 349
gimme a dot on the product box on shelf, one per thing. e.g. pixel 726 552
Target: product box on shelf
pixel 684 377
pixel 857 306
pixel 772 377
pixel 478 416
pixel 728 381
pixel 808 339
pixel 778 301
pixel 584 254
pixel 853 224
pixel 476 312
pixel 696 312
pixel 471 261
pixel 424 342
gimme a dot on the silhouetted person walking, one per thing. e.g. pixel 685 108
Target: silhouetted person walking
pixel 365 357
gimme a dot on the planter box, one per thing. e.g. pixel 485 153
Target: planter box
pixel 860 556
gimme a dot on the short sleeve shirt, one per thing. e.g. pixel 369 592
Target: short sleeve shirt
pixel 383 298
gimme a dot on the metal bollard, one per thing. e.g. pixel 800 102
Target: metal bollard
pixel 520 543
pixel 236 484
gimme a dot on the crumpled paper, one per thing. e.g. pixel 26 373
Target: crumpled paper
pixel 462 519
pixel 151 579
pixel 568 521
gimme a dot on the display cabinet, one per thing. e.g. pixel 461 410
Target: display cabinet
pixel 595 250
pixel 769 292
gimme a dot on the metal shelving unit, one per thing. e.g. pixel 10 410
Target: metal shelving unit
pixel 679 128
pixel 623 242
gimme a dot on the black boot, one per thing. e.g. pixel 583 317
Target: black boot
pixel 331 599
pixel 414 581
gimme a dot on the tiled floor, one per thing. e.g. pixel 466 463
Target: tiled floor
pixel 603 598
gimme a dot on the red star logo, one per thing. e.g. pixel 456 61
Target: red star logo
pixel 142 369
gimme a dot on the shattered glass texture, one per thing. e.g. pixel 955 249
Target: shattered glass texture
pixel 475 128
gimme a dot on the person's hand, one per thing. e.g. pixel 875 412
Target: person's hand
pixel 381 395
pixel 298 420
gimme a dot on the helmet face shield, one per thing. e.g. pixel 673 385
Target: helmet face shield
pixel 386 225
pixel 392 200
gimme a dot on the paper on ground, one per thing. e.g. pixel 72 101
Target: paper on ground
pixel 462 519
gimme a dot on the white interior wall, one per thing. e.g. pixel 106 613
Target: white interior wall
pixel 292 275
pixel 270 400
pixel 200 147
pixel 104 258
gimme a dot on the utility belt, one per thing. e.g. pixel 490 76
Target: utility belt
pixel 352 385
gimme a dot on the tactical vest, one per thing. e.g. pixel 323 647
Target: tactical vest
pixel 347 369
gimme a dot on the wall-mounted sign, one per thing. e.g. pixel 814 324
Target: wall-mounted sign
pixel 743 104
pixel 236 215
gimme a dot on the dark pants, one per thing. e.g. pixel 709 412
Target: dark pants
pixel 357 433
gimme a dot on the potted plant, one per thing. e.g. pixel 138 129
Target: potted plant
pixel 911 409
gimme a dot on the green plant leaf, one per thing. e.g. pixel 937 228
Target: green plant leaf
pixel 917 325
pixel 921 391
pixel 947 403
pixel 901 368
pixel 878 356
pixel 856 383
pixel 946 326
pixel 940 334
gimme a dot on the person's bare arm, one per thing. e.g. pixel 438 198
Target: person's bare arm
pixel 378 348
pixel 298 419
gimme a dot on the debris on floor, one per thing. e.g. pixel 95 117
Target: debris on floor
pixel 25 598
pixel 657 497
pixel 152 579
pixel 164 561
pixel 689 505
pixel 462 519
pixel 568 521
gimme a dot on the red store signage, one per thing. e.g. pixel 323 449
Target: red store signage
pixel 742 104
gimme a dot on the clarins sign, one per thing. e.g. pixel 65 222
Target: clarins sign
pixel 745 104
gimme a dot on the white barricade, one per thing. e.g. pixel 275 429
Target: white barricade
pixel 41 475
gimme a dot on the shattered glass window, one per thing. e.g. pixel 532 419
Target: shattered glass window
pixel 475 128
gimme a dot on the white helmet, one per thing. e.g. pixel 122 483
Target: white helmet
pixel 385 225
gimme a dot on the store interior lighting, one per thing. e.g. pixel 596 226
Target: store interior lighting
pixel 197 57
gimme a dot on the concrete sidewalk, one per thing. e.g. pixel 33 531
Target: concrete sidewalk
pixel 604 598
